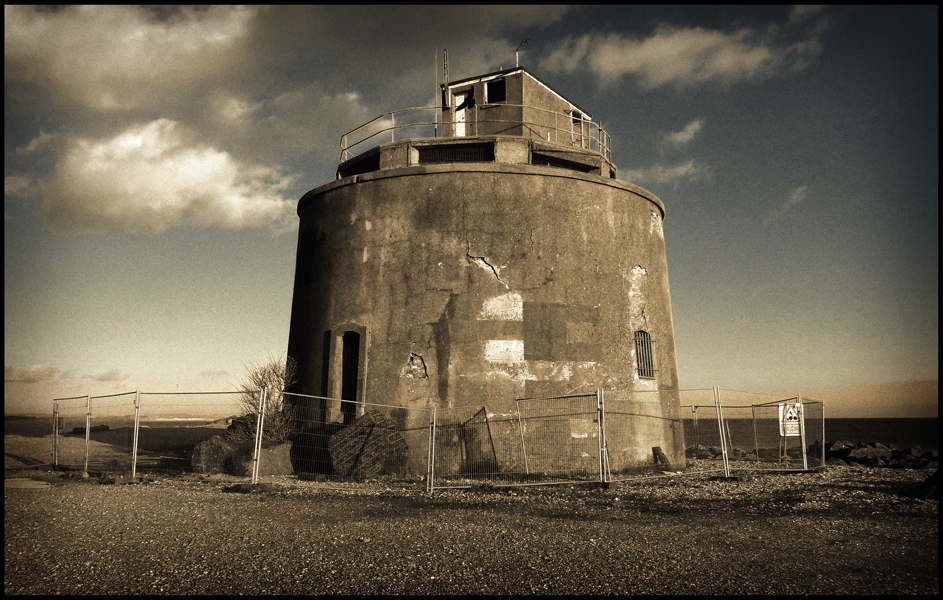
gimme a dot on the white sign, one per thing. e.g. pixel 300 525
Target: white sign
pixel 789 420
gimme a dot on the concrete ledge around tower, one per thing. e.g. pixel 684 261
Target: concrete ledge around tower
pixel 509 149
pixel 485 167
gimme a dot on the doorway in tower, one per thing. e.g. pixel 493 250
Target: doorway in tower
pixel 460 115
pixel 350 374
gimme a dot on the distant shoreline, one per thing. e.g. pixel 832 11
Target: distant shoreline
pixel 902 432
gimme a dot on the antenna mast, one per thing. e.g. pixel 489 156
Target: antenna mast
pixel 516 62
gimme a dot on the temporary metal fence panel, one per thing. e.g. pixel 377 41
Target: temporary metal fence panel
pixel 636 424
pixel 110 436
pixel 562 437
pixel 341 439
pixel 768 432
pixel 171 424
pixel 476 443
pixel 70 426
pixel 532 441
pixel 813 412
pixel 703 441
pixel 94 433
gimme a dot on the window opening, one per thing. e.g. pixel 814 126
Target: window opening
pixel 644 355
pixel 325 391
pixel 496 91
pixel 451 153
pixel 350 366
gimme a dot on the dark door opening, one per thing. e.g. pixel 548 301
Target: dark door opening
pixel 350 368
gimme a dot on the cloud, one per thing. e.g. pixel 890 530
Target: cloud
pixel 30 373
pixel 120 57
pixel 683 137
pixel 150 177
pixel 666 174
pixel 114 375
pixel 17 185
pixel 215 116
pixel 801 12
pixel 796 197
pixel 215 374
pixel 684 57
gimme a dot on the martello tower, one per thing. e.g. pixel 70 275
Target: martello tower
pixel 494 257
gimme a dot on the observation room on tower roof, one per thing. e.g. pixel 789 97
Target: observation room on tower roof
pixel 481 115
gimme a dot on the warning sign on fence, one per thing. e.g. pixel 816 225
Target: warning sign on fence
pixel 789 419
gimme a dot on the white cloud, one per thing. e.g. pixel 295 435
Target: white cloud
pixel 666 174
pixel 114 375
pixel 801 12
pixel 117 57
pixel 17 185
pixel 796 197
pixel 150 177
pixel 30 373
pixel 686 57
pixel 683 137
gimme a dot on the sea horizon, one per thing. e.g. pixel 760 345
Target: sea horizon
pixel 902 432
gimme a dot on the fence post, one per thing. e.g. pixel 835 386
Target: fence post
pixel 430 475
pixel 605 443
pixel 520 424
pixel 756 442
pixel 494 453
pixel 259 423
pixel 55 432
pixel 805 459
pixel 137 429
pixel 88 425
pixel 720 426
pixel 600 435
pixel 697 436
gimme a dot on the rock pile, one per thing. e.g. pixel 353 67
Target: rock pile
pixel 369 446
pixel 876 454
pixel 92 429
pixel 840 453
pixel 232 455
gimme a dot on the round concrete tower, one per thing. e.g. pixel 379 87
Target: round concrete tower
pixel 500 259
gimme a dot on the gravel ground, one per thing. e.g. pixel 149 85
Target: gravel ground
pixel 844 531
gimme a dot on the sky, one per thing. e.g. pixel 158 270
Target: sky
pixel 154 158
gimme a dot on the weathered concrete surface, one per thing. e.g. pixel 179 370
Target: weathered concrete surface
pixel 475 283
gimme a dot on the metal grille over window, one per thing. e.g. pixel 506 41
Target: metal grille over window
pixel 431 155
pixel 644 355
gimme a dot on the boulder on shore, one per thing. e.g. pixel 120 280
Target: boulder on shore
pixel 273 461
pixel 221 454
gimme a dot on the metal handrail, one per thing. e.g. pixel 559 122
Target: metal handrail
pixel 602 138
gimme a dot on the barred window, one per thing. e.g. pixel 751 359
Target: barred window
pixel 644 355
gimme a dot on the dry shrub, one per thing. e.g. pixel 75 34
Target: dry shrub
pixel 273 375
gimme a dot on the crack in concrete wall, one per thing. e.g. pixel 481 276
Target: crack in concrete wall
pixel 482 262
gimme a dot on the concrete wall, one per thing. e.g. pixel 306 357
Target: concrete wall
pixel 476 283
